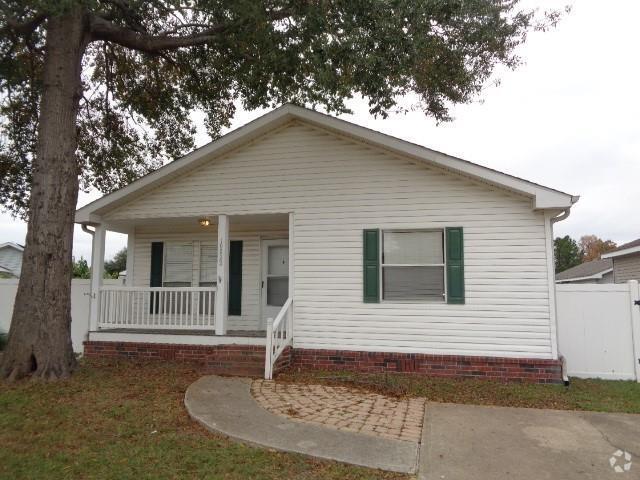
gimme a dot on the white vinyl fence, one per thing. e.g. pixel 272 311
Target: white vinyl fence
pixel 599 329
pixel 79 307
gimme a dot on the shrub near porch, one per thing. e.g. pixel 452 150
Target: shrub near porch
pixel 125 420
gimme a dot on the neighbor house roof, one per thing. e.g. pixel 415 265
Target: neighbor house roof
pixel 17 246
pixel 626 249
pixel 543 197
pixel 594 269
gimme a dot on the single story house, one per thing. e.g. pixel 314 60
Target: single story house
pixel 301 239
pixel 626 261
pixel 595 271
pixel 10 260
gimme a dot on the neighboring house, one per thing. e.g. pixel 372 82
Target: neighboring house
pixel 10 259
pixel 337 247
pixel 626 262
pixel 595 271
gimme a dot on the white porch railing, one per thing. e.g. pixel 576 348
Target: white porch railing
pixel 279 336
pixel 190 308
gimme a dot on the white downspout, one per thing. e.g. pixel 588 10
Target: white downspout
pixel 565 377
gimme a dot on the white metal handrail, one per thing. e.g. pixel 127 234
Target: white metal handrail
pixel 279 336
pixel 189 308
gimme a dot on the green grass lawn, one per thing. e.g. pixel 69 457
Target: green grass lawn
pixel 592 395
pixel 127 421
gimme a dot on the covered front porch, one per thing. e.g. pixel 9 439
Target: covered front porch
pixel 206 280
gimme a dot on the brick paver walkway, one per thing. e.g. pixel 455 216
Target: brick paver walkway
pixel 343 408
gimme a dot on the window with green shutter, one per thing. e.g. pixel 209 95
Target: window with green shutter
pixel 414 265
pixel 371 265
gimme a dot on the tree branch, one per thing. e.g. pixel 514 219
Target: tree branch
pixel 101 29
pixel 23 28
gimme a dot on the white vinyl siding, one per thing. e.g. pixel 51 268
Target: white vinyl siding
pixel 626 268
pixel 337 188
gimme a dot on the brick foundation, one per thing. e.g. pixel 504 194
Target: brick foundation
pixel 528 370
pixel 244 360
pixel 249 361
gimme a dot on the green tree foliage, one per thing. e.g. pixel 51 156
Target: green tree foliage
pixel 149 64
pixel 81 268
pixel 117 264
pixel 567 253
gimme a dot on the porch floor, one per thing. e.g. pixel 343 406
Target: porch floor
pixel 203 333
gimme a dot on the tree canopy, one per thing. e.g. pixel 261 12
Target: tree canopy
pixel 117 264
pixel 593 247
pixel 567 253
pixel 148 65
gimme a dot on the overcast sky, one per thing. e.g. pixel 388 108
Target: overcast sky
pixel 569 118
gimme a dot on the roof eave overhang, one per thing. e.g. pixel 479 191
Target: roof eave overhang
pixel 543 198
pixel 620 253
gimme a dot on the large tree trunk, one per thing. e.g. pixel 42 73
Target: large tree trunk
pixel 40 336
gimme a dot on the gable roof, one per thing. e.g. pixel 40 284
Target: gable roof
pixel 626 249
pixel 543 197
pixel 594 269
pixel 16 246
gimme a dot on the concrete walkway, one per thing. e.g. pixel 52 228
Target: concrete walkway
pixel 458 442
pixel 471 442
pixel 225 405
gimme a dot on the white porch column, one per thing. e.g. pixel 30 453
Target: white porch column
pixel 292 276
pixel 131 251
pixel 97 268
pixel 222 293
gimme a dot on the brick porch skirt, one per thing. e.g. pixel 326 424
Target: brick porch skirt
pixel 530 370
pixel 249 360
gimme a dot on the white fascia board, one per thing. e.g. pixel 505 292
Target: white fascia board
pixel 620 253
pixel 595 276
pixel 543 197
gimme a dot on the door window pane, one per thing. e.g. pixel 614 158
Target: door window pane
pixel 413 283
pixel 277 291
pixel 278 258
pixel 413 247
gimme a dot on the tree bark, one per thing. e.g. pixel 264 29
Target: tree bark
pixel 39 341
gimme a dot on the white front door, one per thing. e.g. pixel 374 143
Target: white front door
pixel 275 277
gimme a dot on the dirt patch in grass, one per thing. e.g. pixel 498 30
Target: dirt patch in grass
pixel 126 420
pixel 592 395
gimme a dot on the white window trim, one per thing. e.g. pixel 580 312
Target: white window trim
pixel 382 265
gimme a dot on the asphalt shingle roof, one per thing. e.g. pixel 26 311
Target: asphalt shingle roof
pixel 586 269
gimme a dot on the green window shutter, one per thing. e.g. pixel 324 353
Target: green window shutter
pixel 157 249
pixel 235 277
pixel 455 265
pixel 157 254
pixel 371 266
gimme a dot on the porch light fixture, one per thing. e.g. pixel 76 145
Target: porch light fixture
pixel 204 222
